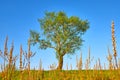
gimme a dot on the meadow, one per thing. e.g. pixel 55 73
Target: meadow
pixel 98 72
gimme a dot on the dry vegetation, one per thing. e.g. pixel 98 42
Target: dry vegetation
pixel 99 72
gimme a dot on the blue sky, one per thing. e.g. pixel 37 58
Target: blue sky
pixel 18 17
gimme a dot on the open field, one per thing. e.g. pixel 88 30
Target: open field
pixel 68 75
pixel 8 70
pixel 59 40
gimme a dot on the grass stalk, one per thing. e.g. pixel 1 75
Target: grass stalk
pixel 114 44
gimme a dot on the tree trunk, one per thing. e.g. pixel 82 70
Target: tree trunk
pixel 60 64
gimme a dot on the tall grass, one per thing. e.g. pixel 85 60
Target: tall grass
pixel 114 44
pixel 8 69
pixel 79 62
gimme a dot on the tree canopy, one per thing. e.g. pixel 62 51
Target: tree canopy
pixel 62 33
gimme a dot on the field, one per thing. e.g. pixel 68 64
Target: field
pixel 67 75
pixel 8 70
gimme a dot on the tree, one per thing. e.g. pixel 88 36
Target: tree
pixel 61 33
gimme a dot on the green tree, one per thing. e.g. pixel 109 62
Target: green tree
pixel 61 33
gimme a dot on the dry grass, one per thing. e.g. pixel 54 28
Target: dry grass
pixel 114 44
pixel 8 69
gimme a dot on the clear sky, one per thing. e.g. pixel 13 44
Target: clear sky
pixel 17 17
